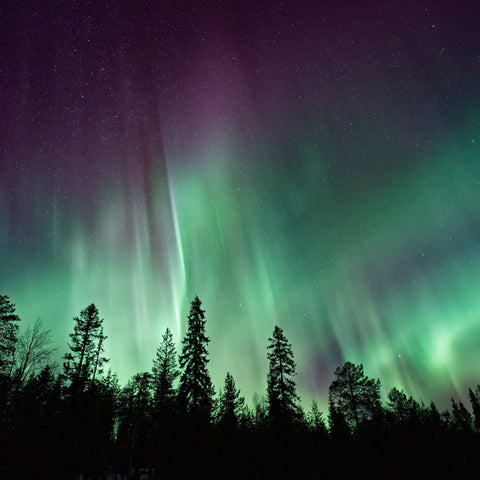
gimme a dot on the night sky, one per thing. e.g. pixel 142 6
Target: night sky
pixel 309 164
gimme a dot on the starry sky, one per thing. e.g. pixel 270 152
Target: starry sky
pixel 309 164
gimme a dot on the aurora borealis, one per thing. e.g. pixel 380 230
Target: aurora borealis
pixel 291 163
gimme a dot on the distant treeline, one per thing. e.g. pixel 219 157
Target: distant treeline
pixel 76 421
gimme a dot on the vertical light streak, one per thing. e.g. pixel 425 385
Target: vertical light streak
pixel 177 272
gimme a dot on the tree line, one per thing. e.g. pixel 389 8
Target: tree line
pixel 77 421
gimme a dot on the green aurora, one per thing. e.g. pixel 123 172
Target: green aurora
pixel 351 220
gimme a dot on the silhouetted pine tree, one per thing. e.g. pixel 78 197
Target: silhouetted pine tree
pixel 282 397
pixel 434 417
pixel 86 348
pixel 9 389
pixel 402 410
pixel 461 419
pixel 8 335
pixel 230 403
pixel 356 396
pixel 475 403
pixel 315 421
pixel 167 433
pixel 231 455
pixel 195 389
pixel 165 372
pixel 284 414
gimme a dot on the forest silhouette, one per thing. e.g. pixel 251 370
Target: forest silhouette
pixel 77 422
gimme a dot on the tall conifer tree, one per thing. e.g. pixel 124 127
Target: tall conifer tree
pixel 230 402
pixel 195 388
pixel 84 358
pixel 165 372
pixel 281 388
pixel 8 335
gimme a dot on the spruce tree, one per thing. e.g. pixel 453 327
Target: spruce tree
pixel 354 395
pixel 230 403
pixel 8 335
pixel 84 359
pixel 195 388
pixel 165 372
pixel 461 419
pixel 434 417
pixel 282 398
pixel 315 421
pixel 475 403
